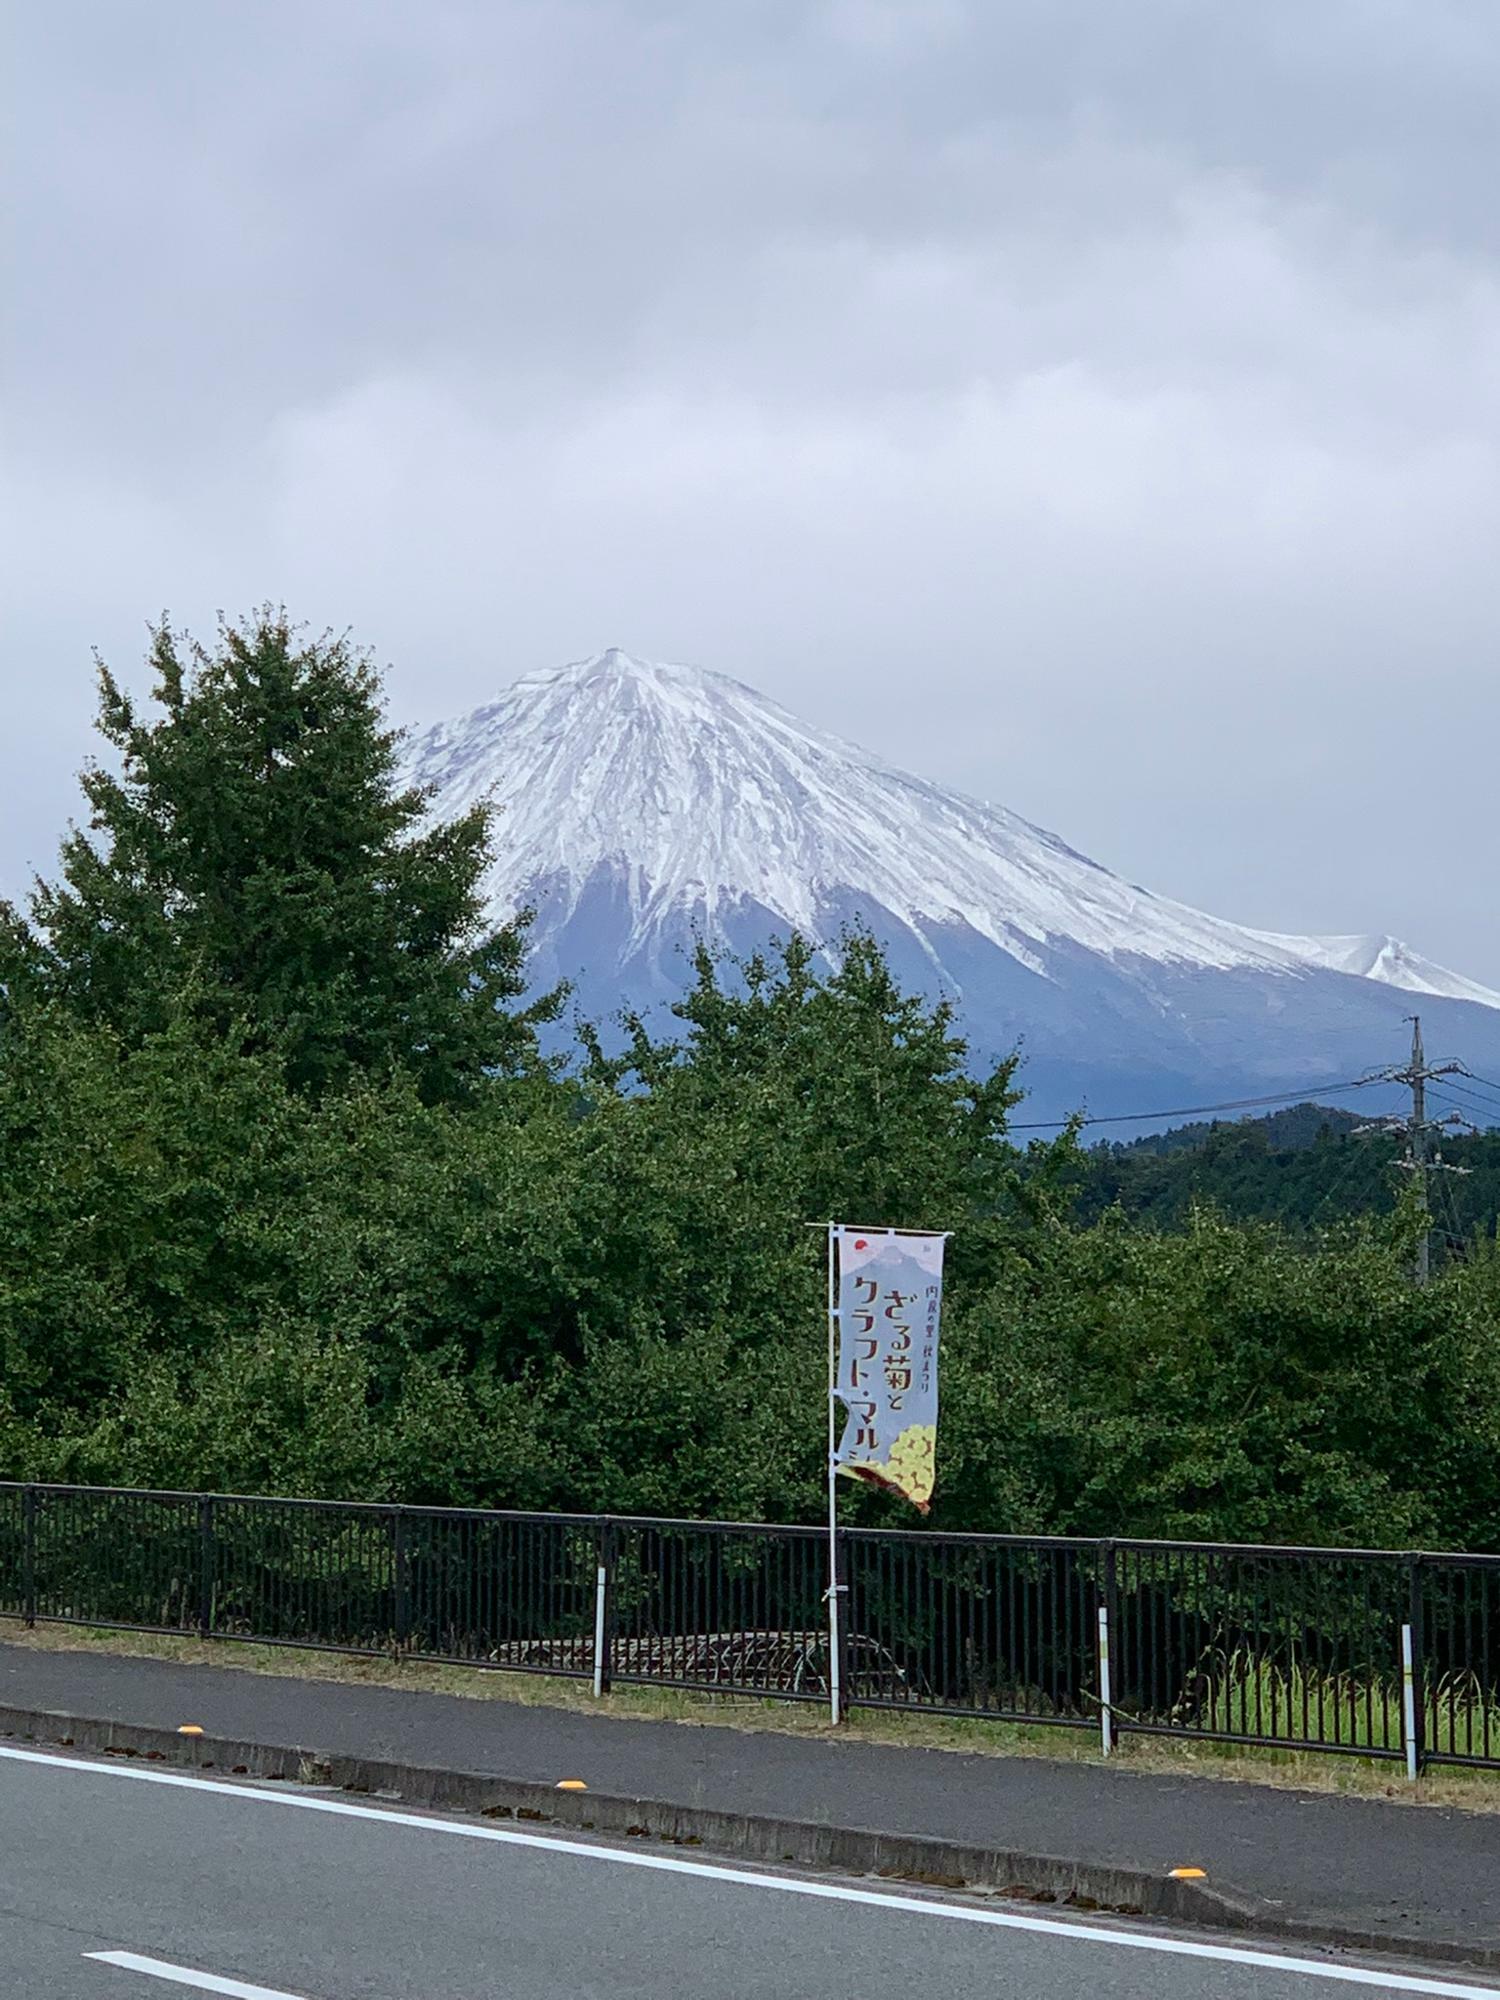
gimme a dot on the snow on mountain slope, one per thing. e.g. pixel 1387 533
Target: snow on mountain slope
pixel 694 796
pixel 1387 960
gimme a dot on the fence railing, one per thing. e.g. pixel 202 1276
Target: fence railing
pixel 1363 1652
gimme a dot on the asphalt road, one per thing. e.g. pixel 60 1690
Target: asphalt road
pixel 1357 1864
pixel 119 1883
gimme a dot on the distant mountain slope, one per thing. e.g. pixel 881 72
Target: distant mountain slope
pixel 1307 1168
pixel 645 804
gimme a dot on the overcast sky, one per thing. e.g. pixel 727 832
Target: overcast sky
pixel 1094 404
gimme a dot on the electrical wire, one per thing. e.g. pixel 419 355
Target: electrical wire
pixel 1455 1239
pixel 1491 1110
pixel 1439 1095
pixel 1309 1094
pixel 1355 1156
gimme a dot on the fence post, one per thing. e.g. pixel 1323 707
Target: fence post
pixel 402 1608
pixel 1106 1693
pixel 1412 1678
pixel 604 1576
pixel 1408 1704
pixel 1109 1623
pixel 28 1554
pixel 205 1565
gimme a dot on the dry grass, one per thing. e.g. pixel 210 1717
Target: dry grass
pixel 1476 1791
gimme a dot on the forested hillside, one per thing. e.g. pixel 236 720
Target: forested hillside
pixel 291 1200
pixel 1305 1168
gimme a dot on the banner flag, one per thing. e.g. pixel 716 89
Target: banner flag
pixel 890 1295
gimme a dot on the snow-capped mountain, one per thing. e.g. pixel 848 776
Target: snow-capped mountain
pixel 641 804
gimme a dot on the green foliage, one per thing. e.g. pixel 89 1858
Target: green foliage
pixel 1304 1168
pixel 1221 1383
pixel 288 1202
pixel 251 867
pixel 1245 1694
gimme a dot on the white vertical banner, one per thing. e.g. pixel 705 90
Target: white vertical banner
pixel 890 1298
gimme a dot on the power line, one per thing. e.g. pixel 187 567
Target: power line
pixel 1457 1242
pixel 1306 1095
pixel 1478 1083
pixel 1417 1128
pixel 1490 1108
pixel 1354 1156
pixel 1443 1093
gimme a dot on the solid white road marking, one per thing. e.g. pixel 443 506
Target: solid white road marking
pixel 787 1885
pixel 179 1975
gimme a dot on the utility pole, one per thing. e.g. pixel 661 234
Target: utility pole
pixel 1416 1076
pixel 1416 1145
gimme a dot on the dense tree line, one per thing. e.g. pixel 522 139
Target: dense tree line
pixel 294 1196
pixel 1305 1168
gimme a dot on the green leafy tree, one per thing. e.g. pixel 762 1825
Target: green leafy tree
pixel 1225 1382
pixel 250 864
pixel 838 1092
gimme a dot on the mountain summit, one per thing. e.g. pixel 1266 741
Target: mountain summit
pixel 644 803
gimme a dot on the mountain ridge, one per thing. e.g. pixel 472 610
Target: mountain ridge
pixel 645 804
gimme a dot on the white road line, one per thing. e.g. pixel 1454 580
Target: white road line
pixel 787 1885
pixel 179 1975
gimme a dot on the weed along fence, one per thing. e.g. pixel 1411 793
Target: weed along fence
pixel 1369 1653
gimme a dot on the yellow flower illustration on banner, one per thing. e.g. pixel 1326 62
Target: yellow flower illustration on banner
pixel 913 1462
pixel 908 1468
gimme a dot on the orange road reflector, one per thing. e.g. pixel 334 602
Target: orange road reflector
pixel 571 1785
pixel 190 1729
pixel 1188 1874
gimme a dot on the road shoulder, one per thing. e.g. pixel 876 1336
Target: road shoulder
pixel 1363 1874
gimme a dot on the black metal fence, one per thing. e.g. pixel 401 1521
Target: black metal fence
pixel 1365 1652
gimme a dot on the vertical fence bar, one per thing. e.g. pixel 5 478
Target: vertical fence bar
pixel 1489 1656
pixel 205 1566
pixel 1417 1739
pixel 1106 1695
pixel 1110 1601
pixel 28 1555
pixel 401 1609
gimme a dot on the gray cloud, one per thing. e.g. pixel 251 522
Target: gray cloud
pixel 1097 407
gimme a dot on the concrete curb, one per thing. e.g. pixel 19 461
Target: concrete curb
pixel 1037 1878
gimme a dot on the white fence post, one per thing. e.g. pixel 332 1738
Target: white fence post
pixel 1106 1712
pixel 601 1598
pixel 1408 1704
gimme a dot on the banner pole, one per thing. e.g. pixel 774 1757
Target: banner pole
pixel 835 1642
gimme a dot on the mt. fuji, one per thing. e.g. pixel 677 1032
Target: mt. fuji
pixel 642 805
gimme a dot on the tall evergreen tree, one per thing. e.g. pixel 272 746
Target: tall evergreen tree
pixel 251 863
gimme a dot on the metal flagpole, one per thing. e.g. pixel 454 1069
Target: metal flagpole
pixel 835 1649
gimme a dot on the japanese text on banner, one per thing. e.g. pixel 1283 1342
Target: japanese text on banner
pixel 890 1296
